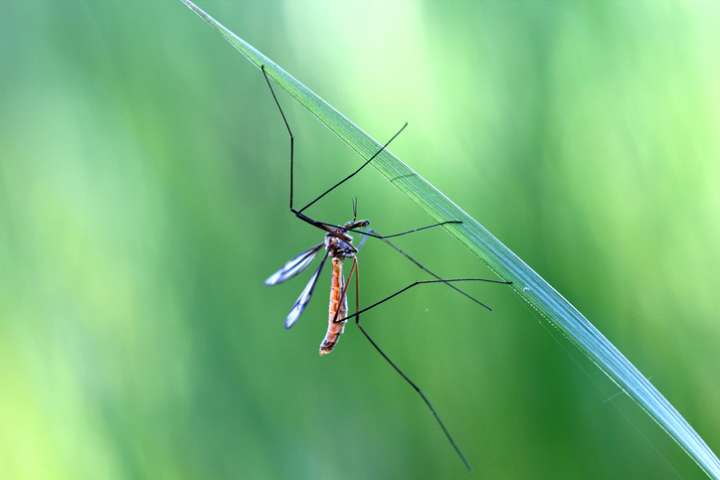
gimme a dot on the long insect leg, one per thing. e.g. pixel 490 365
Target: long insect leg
pixel 299 213
pixel 447 281
pixel 290 134
pixel 400 372
pixel 373 234
pixel 406 232
pixel 365 164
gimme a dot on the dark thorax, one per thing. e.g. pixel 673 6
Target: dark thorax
pixel 338 242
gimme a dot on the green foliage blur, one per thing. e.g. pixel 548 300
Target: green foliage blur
pixel 143 201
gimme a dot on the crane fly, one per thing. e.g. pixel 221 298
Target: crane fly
pixel 338 246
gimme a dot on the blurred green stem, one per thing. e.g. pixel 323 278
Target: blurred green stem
pixel 526 282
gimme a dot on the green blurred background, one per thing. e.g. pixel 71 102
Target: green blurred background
pixel 143 201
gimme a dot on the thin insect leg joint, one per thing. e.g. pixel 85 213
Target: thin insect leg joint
pixel 415 284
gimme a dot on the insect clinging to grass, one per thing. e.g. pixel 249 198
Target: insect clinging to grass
pixel 338 246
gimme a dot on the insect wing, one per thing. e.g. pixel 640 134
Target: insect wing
pixel 304 297
pixel 294 266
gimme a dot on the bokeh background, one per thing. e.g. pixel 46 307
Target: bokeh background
pixel 143 200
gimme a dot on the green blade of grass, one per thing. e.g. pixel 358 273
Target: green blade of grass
pixel 526 282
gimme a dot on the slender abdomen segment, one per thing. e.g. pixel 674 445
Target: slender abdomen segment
pixel 337 309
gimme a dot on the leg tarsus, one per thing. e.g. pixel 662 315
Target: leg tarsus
pixel 427 270
pixel 413 230
pixel 422 395
pixel 287 126
pixel 365 164
pixel 447 281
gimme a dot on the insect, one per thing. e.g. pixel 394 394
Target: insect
pixel 338 247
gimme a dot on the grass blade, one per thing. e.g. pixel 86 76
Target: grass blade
pixel 526 282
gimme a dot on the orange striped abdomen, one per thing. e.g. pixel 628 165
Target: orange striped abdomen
pixel 337 309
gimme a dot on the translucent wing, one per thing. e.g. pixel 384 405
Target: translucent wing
pixel 304 297
pixel 294 266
